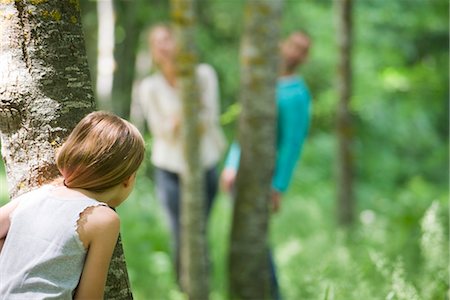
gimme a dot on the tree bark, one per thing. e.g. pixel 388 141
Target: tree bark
pixel 344 124
pixel 125 51
pixel 249 274
pixel 194 273
pixel 45 90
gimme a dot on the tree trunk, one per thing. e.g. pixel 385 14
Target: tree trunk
pixel 194 273
pixel 105 54
pixel 129 24
pixel 344 122
pixel 249 274
pixel 45 90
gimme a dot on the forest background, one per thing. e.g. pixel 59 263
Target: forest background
pixel 398 246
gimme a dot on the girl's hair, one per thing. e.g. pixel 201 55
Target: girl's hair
pixel 102 151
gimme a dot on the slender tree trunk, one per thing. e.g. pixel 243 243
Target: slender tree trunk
pixel 45 90
pixel 194 273
pixel 105 53
pixel 344 122
pixel 249 274
pixel 125 50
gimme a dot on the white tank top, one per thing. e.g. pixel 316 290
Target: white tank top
pixel 43 257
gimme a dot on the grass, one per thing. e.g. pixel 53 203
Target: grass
pixel 397 249
pixel 381 257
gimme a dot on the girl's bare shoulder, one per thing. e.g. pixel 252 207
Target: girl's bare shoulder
pixel 100 216
pixel 97 221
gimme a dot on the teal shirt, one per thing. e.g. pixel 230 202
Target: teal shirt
pixel 293 104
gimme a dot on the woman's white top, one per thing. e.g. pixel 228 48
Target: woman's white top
pixel 43 257
pixel 160 104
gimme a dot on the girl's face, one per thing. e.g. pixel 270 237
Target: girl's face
pixel 162 45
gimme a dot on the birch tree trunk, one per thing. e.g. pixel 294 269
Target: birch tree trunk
pixel 249 274
pixel 194 273
pixel 105 53
pixel 345 201
pixel 45 90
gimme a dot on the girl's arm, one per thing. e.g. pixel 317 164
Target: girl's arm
pixel 99 233
pixel 5 212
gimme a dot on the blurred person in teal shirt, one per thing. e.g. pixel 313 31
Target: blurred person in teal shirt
pixel 293 101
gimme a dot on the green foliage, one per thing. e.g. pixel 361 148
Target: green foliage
pixel 398 249
pixel 4 196
pixel 389 254
pixel 146 244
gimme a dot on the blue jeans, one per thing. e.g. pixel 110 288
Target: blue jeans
pixel 168 191
pixel 274 286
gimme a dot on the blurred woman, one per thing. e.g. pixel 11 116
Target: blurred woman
pixel 159 102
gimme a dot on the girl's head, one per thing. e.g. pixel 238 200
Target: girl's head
pixel 162 44
pixel 294 50
pixel 102 151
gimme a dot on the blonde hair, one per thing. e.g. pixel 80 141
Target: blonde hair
pixel 102 151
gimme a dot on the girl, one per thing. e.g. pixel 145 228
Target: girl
pixel 59 238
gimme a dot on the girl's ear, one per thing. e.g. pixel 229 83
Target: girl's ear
pixel 129 180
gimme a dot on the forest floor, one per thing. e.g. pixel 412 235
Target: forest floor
pixel 397 248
